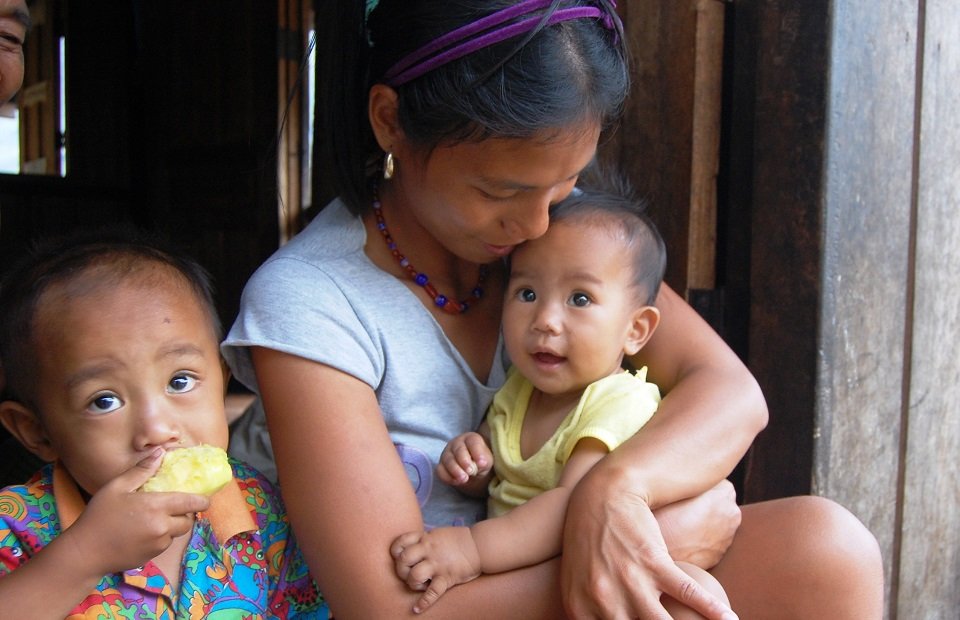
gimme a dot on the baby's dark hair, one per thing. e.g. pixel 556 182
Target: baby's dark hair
pixel 118 253
pixel 536 84
pixel 606 198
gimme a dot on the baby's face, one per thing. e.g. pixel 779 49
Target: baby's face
pixel 126 368
pixel 569 308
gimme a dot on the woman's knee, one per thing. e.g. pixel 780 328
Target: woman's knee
pixel 837 534
pixel 803 557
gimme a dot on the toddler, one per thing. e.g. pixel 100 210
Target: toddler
pixel 109 347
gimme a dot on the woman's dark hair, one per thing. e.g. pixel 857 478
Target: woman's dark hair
pixel 549 79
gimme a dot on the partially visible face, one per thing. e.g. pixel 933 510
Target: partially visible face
pixel 14 20
pixel 481 199
pixel 569 307
pixel 123 370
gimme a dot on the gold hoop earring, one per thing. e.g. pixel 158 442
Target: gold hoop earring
pixel 388 166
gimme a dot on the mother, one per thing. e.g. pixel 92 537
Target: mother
pixel 483 113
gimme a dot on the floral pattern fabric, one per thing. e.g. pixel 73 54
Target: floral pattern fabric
pixel 254 574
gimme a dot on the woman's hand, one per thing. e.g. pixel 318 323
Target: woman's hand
pixel 699 530
pixel 615 561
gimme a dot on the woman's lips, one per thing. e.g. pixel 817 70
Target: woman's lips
pixel 499 250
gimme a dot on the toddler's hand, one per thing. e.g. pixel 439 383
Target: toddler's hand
pixel 435 561
pixel 467 456
pixel 138 526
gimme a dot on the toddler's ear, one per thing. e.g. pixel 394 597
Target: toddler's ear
pixel 644 323
pixel 26 426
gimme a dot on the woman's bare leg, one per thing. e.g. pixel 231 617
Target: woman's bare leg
pixel 802 557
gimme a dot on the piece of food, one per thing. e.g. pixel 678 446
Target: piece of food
pixel 202 469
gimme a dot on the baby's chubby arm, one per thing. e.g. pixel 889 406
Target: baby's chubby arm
pixel 531 533
pixel 467 463
pixel 119 529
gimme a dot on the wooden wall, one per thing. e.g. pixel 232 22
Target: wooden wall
pixel 171 125
pixel 838 232
pixel 888 398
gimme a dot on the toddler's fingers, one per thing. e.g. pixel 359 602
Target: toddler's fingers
pixel 465 459
pixel 133 478
pixel 421 575
pixel 434 591
pixel 183 504
pixel 449 470
pixel 479 453
pixel 402 542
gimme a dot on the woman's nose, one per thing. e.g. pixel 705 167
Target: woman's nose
pixel 530 220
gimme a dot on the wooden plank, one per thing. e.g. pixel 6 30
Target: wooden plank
pixel 705 145
pixel 789 54
pixel 929 585
pixel 652 144
pixel 867 257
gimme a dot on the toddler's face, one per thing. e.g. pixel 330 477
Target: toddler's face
pixel 569 308
pixel 125 368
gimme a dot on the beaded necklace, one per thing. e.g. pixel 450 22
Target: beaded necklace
pixel 448 305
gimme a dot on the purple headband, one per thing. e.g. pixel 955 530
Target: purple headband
pixel 430 56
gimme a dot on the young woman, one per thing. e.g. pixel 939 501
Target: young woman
pixel 375 334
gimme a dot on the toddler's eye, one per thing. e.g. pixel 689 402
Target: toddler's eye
pixel 105 403
pixel 181 383
pixel 526 295
pixel 580 300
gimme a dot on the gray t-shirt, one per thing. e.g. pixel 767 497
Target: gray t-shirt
pixel 319 297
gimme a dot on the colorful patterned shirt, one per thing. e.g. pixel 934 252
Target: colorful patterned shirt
pixel 241 561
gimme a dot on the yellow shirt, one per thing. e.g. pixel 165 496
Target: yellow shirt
pixel 610 410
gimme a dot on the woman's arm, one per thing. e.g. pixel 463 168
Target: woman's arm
pixel 712 410
pixel 709 416
pixel 348 498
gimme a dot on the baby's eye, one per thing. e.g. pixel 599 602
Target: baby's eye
pixel 104 403
pixel 526 295
pixel 181 383
pixel 580 300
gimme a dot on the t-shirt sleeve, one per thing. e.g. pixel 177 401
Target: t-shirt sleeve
pixel 294 307
pixel 612 410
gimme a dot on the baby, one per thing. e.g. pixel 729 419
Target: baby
pixel 579 299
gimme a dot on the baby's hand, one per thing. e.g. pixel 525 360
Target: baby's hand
pixel 435 561
pixel 138 525
pixel 466 457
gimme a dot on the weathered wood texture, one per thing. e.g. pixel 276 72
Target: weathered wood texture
pixel 839 221
pixel 653 142
pixel 929 571
pixel 786 43
pixel 865 316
